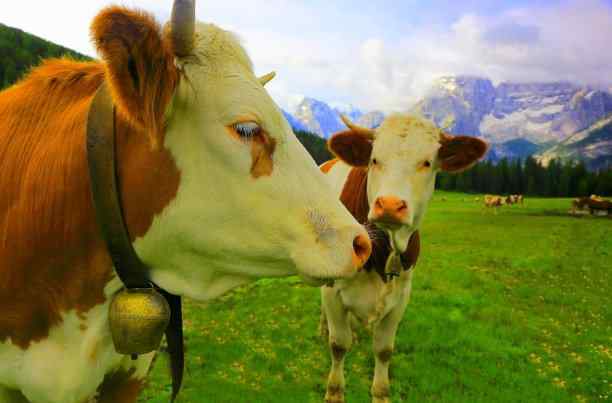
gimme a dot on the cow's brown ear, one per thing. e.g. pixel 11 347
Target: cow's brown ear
pixel 458 153
pixel 139 65
pixel 351 147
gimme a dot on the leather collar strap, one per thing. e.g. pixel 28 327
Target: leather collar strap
pixel 133 272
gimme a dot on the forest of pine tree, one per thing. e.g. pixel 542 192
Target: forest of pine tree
pixel 19 51
pixel 527 177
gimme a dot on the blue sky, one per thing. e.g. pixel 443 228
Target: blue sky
pixel 378 54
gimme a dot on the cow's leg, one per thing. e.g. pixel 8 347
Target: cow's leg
pixel 124 385
pixel 323 328
pixel 383 344
pixel 340 339
pixel 11 396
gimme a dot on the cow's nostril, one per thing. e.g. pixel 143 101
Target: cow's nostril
pixel 362 247
pixel 402 206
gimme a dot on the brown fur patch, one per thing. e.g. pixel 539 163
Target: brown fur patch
pixel 328 165
pixel 458 153
pixel 337 351
pixel 385 355
pixel 119 387
pixel 139 66
pixel 354 194
pixel 351 147
pixel 262 149
pixel 52 259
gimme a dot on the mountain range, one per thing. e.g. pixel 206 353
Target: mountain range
pixel 548 120
pixel 517 119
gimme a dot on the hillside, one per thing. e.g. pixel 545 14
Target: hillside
pixel 19 51
pixel 592 145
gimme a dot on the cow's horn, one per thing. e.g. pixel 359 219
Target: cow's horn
pixel 182 26
pixel 265 79
pixel 364 131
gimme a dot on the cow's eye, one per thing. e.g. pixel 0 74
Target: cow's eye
pixel 427 164
pixel 247 130
pixel 374 161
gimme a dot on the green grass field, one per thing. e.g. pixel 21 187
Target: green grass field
pixel 514 307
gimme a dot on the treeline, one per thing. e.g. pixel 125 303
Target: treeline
pixel 558 179
pixel 20 50
pixel 316 146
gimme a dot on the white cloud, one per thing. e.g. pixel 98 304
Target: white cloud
pixel 337 59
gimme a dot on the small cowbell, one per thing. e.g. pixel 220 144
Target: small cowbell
pixel 138 319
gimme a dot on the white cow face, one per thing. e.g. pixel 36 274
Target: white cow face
pixel 251 201
pixel 402 157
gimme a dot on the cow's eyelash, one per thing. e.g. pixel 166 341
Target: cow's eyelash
pixel 246 130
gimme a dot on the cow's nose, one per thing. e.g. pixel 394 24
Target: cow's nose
pixel 362 247
pixel 390 209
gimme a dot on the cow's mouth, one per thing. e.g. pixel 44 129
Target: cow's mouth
pixel 388 225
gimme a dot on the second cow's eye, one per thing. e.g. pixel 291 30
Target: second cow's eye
pixel 246 131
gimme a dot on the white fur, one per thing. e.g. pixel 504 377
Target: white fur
pixel 70 364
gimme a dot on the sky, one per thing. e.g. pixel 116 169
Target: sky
pixel 376 55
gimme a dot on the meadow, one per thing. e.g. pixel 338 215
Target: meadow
pixel 513 307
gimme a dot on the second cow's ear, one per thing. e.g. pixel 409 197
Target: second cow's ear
pixel 351 147
pixel 458 153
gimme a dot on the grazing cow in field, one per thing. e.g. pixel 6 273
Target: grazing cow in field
pixel 492 201
pixel 215 190
pixel 386 178
pixel 594 205
pixel 514 199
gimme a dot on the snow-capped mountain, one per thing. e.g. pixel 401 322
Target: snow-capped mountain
pixel 537 112
pixel 296 124
pixel 318 117
pixel 592 145
pixel 349 110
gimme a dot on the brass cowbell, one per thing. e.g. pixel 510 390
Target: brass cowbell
pixel 138 319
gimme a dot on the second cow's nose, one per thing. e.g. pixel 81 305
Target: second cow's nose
pixel 390 208
pixel 362 248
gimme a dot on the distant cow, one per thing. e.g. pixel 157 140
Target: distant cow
pixel 215 190
pixel 385 177
pixel 593 204
pixel 493 201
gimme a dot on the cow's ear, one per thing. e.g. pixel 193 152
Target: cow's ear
pixel 458 153
pixel 351 147
pixel 139 65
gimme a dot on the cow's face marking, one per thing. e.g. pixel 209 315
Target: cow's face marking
pixel 261 143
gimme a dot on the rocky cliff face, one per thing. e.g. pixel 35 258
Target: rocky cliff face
pixel 537 112
pixel 592 145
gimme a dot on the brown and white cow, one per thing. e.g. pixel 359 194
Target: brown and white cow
pixel 216 192
pixel 494 202
pixel 386 178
